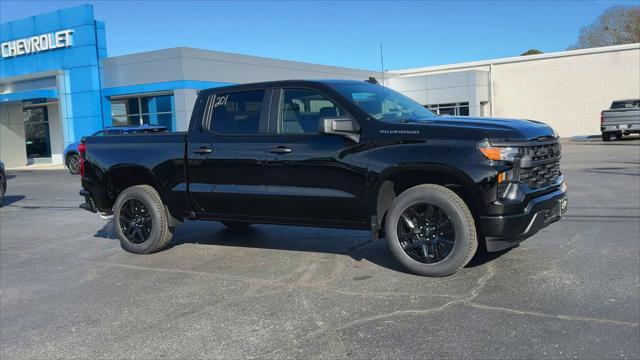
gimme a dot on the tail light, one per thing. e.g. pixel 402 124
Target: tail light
pixel 82 148
pixel 601 117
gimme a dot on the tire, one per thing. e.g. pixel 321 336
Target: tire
pixel 606 136
pixel 619 135
pixel 159 233
pixel 73 163
pixel 236 225
pixel 455 213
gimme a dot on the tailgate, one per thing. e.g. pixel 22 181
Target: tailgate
pixel 621 117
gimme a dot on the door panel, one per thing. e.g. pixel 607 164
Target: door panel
pixel 226 155
pixel 314 182
pixel 227 180
pixel 312 178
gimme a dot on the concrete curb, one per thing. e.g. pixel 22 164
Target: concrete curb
pixel 38 167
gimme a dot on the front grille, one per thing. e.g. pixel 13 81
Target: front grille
pixel 540 165
pixel 541 175
pixel 544 152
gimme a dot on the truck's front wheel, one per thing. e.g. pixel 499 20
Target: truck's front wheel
pixel 431 231
pixel 140 219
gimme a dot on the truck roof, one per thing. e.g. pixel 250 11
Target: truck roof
pixel 626 100
pixel 279 83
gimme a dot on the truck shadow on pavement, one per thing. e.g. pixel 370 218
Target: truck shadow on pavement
pixel 11 199
pixel 355 244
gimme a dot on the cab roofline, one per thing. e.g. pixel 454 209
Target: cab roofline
pixel 281 83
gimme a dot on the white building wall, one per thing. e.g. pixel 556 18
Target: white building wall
pixel 13 151
pixel 450 87
pixel 566 89
pixel 566 92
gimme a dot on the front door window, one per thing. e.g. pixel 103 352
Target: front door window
pixel 302 109
pixel 36 132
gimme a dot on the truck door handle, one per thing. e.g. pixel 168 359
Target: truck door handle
pixel 203 150
pixel 280 150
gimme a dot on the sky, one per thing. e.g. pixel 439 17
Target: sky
pixel 340 33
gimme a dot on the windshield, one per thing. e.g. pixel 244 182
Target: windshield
pixel 383 103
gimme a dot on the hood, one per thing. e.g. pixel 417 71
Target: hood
pixel 492 128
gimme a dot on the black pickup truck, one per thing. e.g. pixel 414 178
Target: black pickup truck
pixel 342 154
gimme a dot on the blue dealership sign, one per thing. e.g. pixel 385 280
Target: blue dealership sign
pixel 67 44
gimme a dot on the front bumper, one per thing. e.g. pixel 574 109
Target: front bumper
pixel 505 231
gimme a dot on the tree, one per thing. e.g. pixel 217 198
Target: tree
pixel 617 25
pixel 531 52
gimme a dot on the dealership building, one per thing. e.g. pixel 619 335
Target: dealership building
pixel 58 84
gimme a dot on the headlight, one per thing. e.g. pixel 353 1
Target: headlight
pixel 504 153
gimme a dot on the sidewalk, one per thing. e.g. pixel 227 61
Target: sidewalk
pixel 38 167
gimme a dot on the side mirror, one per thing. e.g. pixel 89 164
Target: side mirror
pixel 346 127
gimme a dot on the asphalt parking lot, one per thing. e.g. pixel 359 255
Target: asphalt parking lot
pixel 67 289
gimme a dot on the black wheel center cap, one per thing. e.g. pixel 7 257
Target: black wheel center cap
pixel 427 233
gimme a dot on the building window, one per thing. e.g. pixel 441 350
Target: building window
pixel 452 109
pixel 36 132
pixel 139 110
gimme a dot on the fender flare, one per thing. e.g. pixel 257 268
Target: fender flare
pixel 383 192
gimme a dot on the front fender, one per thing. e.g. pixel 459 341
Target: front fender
pixel 403 176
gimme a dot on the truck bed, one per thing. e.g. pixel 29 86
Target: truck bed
pixel 159 158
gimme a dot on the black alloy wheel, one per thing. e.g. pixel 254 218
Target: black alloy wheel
pixel 430 230
pixel 135 221
pixel 426 233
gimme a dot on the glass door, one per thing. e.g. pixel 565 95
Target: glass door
pixel 36 132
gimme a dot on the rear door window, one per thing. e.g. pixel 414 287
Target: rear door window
pixel 234 112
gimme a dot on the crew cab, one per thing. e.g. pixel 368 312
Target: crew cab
pixel 72 155
pixel 333 153
pixel 622 118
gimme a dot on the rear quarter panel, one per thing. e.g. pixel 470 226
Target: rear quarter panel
pixel 114 162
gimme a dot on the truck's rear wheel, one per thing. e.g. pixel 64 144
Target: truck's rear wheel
pixel 431 231
pixel 141 221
